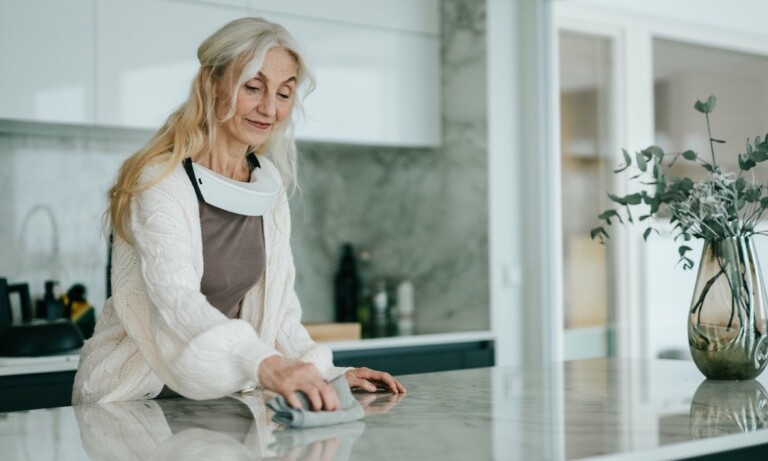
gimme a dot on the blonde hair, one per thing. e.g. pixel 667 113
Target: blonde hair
pixel 232 55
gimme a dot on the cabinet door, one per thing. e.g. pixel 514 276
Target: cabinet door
pixel 375 85
pixel 47 50
pixel 420 359
pixel 146 56
pixel 410 15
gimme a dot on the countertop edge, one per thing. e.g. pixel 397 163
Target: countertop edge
pixel 689 449
pixel 35 365
pixel 415 340
pixel 69 362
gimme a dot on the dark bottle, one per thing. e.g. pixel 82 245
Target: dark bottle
pixel 50 307
pixel 347 286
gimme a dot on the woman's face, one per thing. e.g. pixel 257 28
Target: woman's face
pixel 262 102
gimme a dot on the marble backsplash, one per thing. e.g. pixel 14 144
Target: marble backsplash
pixel 422 213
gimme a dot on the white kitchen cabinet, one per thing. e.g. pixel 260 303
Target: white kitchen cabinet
pixel 146 57
pixel 409 15
pixel 377 82
pixel 375 85
pixel 47 49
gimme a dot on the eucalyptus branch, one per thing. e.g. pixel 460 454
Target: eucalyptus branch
pixel 755 214
pixel 711 145
pixel 722 206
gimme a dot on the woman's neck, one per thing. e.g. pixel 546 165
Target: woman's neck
pixel 228 160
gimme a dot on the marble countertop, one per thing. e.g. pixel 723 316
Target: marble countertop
pixel 588 410
pixel 68 361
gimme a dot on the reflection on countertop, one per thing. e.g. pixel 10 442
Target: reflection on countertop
pixel 728 407
pixel 233 428
pixel 606 409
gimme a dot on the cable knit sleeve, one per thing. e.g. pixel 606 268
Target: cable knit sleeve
pixel 192 346
pixel 292 339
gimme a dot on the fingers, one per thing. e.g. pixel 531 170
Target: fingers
pixel 330 398
pixel 392 384
pixel 359 383
pixel 286 377
pixel 293 400
pixel 368 379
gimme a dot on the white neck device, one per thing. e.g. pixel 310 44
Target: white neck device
pixel 253 198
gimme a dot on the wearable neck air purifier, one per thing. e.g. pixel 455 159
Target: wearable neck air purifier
pixel 253 198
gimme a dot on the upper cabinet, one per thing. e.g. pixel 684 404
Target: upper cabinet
pixel 130 64
pixel 47 49
pixel 377 66
pixel 375 85
pixel 408 15
pixel 146 57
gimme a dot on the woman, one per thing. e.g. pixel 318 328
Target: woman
pixel 202 299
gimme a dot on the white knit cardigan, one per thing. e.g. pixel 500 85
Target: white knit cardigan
pixel 158 328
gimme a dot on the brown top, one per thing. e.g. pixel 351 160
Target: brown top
pixel 233 257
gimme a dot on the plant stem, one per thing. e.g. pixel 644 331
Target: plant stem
pixel 700 303
pixel 711 146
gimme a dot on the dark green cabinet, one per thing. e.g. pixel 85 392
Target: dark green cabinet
pixel 420 359
pixel 40 390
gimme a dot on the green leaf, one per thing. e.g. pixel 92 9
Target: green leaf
pixel 599 232
pixel 654 151
pixel 717 140
pixel 634 199
pixel 740 184
pixel 752 195
pixel 711 100
pixel 706 107
pixel 759 155
pixel 690 155
pixel 745 163
pixel 683 250
pixel 608 214
pixel 642 164
pixel 688 263
pixel 627 161
pixel 764 202
pixel 644 217
pixel 647 233
pixel 617 199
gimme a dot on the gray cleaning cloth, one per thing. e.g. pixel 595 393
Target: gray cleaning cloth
pixel 349 409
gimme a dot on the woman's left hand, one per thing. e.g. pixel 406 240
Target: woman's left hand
pixel 371 380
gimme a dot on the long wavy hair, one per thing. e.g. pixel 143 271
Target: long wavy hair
pixel 231 56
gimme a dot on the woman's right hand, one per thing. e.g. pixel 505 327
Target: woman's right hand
pixel 286 376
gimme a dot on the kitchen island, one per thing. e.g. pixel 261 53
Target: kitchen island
pixel 594 409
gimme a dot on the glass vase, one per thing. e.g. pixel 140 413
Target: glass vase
pixel 727 320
